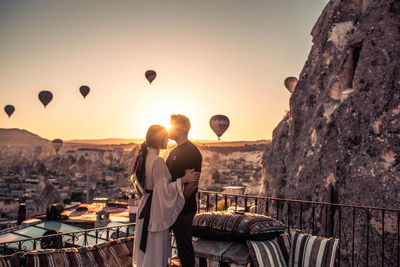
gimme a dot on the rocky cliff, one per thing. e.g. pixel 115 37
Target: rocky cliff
pixel 340 141
pixel 343 127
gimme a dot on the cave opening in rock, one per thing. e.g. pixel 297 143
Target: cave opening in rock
pixel 355 52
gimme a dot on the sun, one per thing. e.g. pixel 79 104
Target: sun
pixel 157 115
pixel 159 110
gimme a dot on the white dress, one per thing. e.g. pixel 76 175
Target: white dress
pixel 167 203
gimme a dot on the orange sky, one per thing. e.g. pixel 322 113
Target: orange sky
pixel 212 57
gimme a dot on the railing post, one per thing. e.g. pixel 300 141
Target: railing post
pixel 277 209
pixel 256 205
pixel 226 202
pixel 383 238
pixel 368 219
pixel 326 221
pixel 208 202
pixel 198 203
pixel 245 204
pixel 97 236
pixel 313 219
pixel 216 201
pixel 236 202
pixel 353 237
pixel 340 232
pixel 266 206
pixel 288 215
pixel 301 216
pixel 398 239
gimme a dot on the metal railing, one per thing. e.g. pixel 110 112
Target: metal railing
pixel 70 239
pixel 368 236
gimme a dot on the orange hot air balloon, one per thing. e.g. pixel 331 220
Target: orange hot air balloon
pixel 290 83
pixel 150 75
pixel 45 97
pixel 57 144
pixel 219 124
pixel 9 109
pixel 84 89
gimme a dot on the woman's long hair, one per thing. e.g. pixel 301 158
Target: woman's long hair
pixel 140 165
pixel 155 138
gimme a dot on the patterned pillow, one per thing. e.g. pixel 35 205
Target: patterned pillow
pixel 11 260
pixel 113 253
pixel 274 252
pixel 230 226
pixel 308 250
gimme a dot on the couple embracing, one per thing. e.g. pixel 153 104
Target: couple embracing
pixel 169 201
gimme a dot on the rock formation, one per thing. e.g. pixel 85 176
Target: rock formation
pixel 340 141
pixel 50 195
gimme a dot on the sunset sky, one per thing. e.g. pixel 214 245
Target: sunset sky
pixel 212 57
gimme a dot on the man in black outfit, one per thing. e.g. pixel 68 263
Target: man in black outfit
pixel 184 156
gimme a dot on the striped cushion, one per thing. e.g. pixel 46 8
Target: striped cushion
pixel 11 260
pixel 231 226
pixel 274 252
pixel 308 250
pixel 113 253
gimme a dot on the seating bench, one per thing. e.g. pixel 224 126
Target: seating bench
pixel 113 253
pixel 220 253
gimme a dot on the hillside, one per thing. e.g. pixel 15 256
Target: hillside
pixel 106 141
pixel 20 138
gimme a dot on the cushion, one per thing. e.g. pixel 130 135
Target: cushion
pixel 308 250
pixel 113 253
pixel 11 260
pixel 274 252
pixel 231 226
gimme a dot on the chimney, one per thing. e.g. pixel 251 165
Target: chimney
pixel 21 213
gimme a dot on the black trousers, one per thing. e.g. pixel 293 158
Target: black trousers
pixel 182 229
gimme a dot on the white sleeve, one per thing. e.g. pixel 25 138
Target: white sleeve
pixel 168 199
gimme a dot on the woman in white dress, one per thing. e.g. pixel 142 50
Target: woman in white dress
pixel 160 205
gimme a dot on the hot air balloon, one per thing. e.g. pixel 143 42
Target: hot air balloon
pixel 219 124
pixel 150 75
pixel 84 89
pixel 9 109
pixel 45 97
pixel 57 144
pixel 290 83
